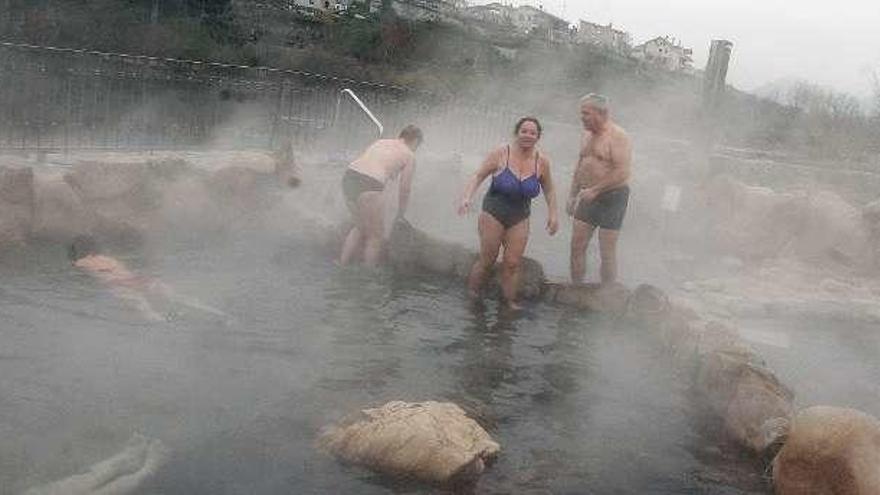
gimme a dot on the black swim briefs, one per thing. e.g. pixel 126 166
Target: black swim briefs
pixel 355 183
pixel 606 211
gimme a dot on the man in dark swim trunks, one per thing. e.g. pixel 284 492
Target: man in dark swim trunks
pixel 363 185
pixel 599 188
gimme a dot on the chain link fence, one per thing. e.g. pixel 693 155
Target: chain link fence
pixel 62 100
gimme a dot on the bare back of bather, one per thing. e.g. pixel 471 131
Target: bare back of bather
pixel 363 184
pixel 384 159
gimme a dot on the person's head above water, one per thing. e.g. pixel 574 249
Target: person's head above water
pixel 594 111
pixel 527 132
pixel 81 247
pixel 412 136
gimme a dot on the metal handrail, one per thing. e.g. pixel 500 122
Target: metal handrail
pixel 362 107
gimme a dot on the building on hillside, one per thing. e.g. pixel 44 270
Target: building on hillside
pixel 536 20
pixel 521 20
pixel 324 5
pixel 605 37
pixel 493 13
pixel 665 53
pixel 422 10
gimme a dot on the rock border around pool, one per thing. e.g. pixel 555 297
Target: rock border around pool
pixel 731 380
pixel 128 197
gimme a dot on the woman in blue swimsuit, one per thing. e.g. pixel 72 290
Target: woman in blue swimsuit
pixel 519 171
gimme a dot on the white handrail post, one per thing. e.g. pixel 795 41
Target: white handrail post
pixel 360 104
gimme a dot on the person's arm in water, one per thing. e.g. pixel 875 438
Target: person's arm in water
pixel 621 163
pixel 406 178
pixel 489 165
pixel 550 196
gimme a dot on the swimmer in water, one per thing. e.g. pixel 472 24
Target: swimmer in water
pixel 519 171
pixel 136 289
pixel 363 185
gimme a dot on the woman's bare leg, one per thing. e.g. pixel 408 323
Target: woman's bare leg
pixel 491 232
pixel 515 240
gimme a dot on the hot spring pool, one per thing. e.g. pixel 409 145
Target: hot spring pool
pixel 579 403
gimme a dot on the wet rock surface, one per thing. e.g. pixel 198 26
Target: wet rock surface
pixel 429 441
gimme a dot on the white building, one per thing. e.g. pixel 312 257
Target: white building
pixel 422 10
pixel 522 20
pixel 325 5
pixel 665 53
pixel 605 37
pixel 529 19
pixel 493 13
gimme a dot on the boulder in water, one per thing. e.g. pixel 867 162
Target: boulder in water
pixel 118 195
pixel 60 214
pixel 412 250
pixel 611 298
pixel 16 204
pixel 834 230
pixel 738 388
pixel 430 441
pixel 648 304
pixel 759 409
pixel 829 451
pixel 754 222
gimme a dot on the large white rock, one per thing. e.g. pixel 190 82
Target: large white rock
pixel 429 441
pixel 829 451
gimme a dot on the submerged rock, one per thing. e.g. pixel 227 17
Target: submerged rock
pixel 829 451
pixel 412 250
pixel 610 298
pixel 429 441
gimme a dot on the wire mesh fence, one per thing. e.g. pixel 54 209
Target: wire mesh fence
pixel 60 100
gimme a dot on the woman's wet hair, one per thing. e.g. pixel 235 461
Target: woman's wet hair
pixel 81 247
pixel 411 133
pixel 520 122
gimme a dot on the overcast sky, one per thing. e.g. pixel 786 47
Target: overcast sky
pixel 832 43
